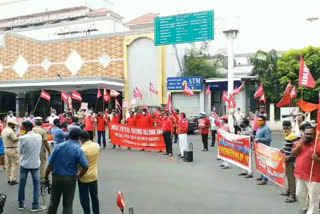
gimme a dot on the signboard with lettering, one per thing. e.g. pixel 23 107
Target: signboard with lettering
pixel 184 28
pixel 177 83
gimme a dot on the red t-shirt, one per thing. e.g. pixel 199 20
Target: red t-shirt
pixel 101 124
pixel 204 125
pixel 145 121
pixel 116 119
pixel 89 121
pixel 167 125
pixel 131 121
pixel 183 126
pixel 304 161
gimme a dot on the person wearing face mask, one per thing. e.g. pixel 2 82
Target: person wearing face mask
pixel 10 117
pixel 306 153
pixel 115 120
pixel 289 141
pixel 224 127
pixel 167 127
pixel 31 118
pixel 89 120
pixel 246 130
pixel 182 130
pixel 204 125
pixel 52 116
pixel 214 128
pixel 263 136
pixel 255 125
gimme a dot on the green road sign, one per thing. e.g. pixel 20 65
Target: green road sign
pixel 184 28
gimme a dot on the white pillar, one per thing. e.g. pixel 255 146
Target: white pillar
pixel 201 94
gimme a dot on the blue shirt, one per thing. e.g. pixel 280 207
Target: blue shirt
pixel 59 136
pixel 1 147
pixel 66 157
pixel 263 135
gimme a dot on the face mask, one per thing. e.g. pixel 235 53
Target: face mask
pixel 260 123
pixel 31 116
pixel 309 140
pixel 143 112
pixel 52 115
pixel 257 114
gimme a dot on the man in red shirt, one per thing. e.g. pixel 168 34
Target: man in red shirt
pixel 89 121
pixel 145 119
pixel 204 125
pixel 131 121
pixel 115 120
pixel 101 128
pixel 306 154
pixel 182 130
pixel 167 128
pixel 156 115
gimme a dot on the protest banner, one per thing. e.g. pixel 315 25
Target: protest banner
pixel 270 162
pixel 128 136
pixel 235 149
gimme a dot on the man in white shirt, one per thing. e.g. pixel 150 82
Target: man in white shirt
pixel 30 146
pixel 10 117
pixel 214 128
pixel 52 117
pixel 238 116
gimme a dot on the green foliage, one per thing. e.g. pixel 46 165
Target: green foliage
pixel 265 66
pixel 288 69
pixel 197 63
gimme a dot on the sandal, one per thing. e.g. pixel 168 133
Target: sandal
pixel 290 199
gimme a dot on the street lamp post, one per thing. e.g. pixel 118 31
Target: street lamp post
pixel 230 34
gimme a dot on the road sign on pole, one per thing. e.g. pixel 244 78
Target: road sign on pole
pixel 184 28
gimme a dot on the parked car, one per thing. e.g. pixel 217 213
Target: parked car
pixel 193 123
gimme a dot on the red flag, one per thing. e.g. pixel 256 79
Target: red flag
pixel 152 89
pixel 238 90
pixel 263 98
pixel 114 93
pixel 208 92
pixel 118 105
pixel 64 96
pixel 99 94
pixel 187 90
pixel 232 103
pixel 305 76
pixel 45 95
pixel 70 102
pixel 120 201
pixel 288 88
pixel 307 107
pixel 318 117
pixel 293 93
pixel 76 96
pixel 284 101
pixel 169 104
pixel 137 93
pixel 106 96
pixel 259 91
pixel 225 96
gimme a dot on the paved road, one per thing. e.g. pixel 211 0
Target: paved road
pixel 156 184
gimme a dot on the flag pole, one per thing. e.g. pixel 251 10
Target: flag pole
pixel 36 105
pixel 103 105
pixel 312 164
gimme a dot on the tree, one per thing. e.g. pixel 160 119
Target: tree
pixel 265 66
pixel 288 69
pixel 198 63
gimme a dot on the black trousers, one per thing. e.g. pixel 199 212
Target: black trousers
pixel 213 133
pixel 91 135
pixel 87 191
pixel 102 134
pixel 205 140
pixel 175 135
pixel 168 142
pixel 236 129
pixel 62 186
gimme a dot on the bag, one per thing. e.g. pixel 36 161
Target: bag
pixel 188 154
pixel 3 198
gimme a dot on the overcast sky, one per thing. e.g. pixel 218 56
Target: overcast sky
pixel 267 24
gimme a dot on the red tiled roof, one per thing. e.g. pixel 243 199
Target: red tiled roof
pixel 147 18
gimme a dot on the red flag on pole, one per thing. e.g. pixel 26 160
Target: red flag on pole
pixel 208 92
pixel 306 106
pixel 121 201
pixel 259 91
pixel 305 76
pixel 263 98
pixel 45 95
pixel 232 103
pixel 70 102
pixel 293 93
pixel 284 101
pixel 114 93
pixel 225 96
pixel 64 96
pixel 288 88
pixel 169 104
pixel 118 105
pixel 76 96
pixel 137 93
pixel 152 89
pixel 99 94
pixel 106 96
pixel 238 90
pixel 187 90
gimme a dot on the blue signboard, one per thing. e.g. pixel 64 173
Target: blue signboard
pixel 222 85
pixel 177 83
